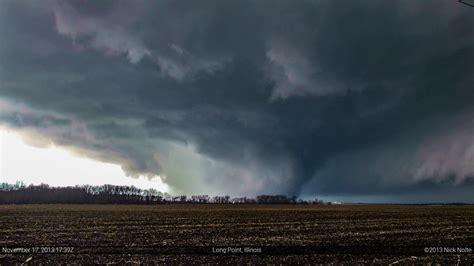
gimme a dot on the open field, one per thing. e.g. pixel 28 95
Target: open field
pixel 236 225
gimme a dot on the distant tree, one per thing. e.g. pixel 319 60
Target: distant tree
pixel 110 194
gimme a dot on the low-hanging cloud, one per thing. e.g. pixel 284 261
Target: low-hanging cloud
pixel 249 97
pixel 97 32
pixel 106 31
pixel 442 156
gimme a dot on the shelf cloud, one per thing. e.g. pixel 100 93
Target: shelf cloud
pixel 248 97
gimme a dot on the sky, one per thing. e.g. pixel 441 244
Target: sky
pixel 57 167
pixel 353 100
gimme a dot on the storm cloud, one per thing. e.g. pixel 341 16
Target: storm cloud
pixel 245 97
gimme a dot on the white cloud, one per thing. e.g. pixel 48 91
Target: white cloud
pixel 57 167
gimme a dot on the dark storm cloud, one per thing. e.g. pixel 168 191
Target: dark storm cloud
pixel 247 97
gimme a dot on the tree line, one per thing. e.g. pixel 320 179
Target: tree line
pixel 19 193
